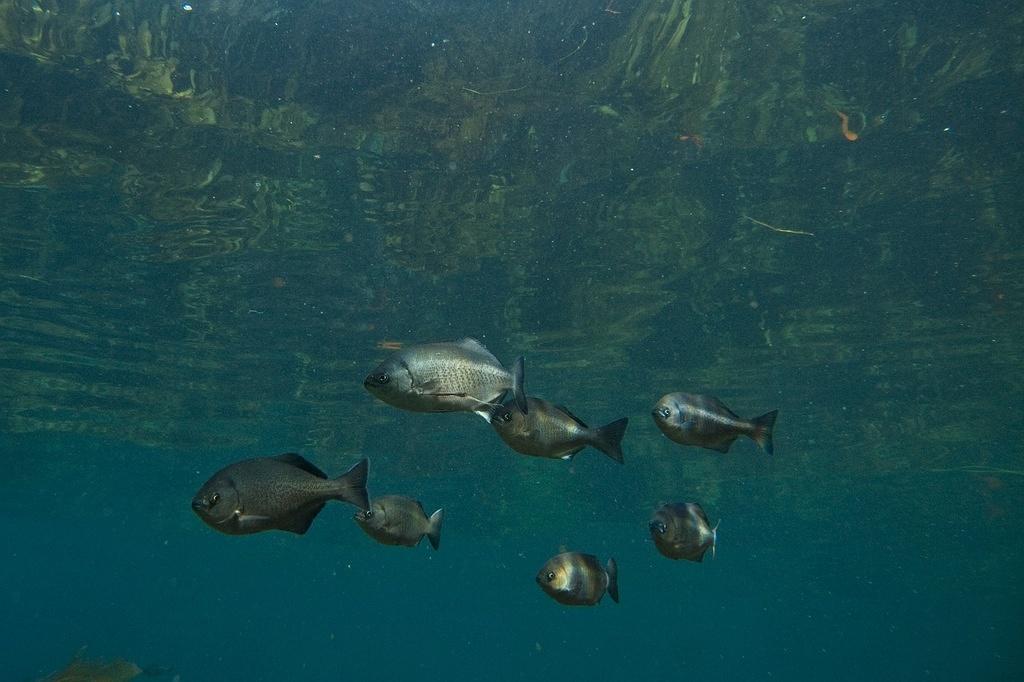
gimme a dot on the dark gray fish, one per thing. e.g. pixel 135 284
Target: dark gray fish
pixel 285 492
pixel 549 430
pixel 680 530
pixel 396 520
pixel 577 579
pixel 703 420
pixel 458 376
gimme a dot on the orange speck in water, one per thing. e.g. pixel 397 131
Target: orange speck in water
pixel 278 282
pixel 844 126
pixel 389 345
pixel 693 138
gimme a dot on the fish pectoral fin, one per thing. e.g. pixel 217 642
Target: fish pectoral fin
pixel 426 388
pixel 447 394
pixel 251 521
pixel 441 394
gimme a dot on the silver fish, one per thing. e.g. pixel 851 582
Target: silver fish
pixel 680 530
pixel 550 430
pixel 458 376
pixel 576 579
pixel 397 520
pixel 284 493
pixel 703 420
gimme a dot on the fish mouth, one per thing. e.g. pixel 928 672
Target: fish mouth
pixel 657 527
pixel 197 505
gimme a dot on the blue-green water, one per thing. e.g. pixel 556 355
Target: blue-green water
pixel 901 576
pixel 215 221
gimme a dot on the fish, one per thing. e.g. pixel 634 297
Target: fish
pixel 552 431
pixel 577 579
pixel 397 520
pixel 82 670
pixel 680 530
pixel 452 376
pixel 285 492
pixel 704 421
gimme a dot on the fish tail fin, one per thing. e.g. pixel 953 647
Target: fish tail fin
pixel 762 433
pixel 352 485
pixel 613 580
pixel 434 529
pixel 608 438
pixel 519 384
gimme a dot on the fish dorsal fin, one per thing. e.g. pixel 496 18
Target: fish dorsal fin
pixel 571 416
pixel 475 346
pixel 300 462
pixel 721 407
pixel 698 511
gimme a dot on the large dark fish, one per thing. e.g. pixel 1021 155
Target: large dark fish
pixel 284 493
pixel 396 520
pixel 702 420
pixel 549 430
pixel 680 530
pixel 458 376
pixel 577 579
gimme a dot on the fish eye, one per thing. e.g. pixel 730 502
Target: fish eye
pixel 549 576
pixel 506 416
pixel 382 378
pixel 214 499
pixel 368 514
pixel 665 412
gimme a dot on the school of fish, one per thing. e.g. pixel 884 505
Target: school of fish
pixel 287 492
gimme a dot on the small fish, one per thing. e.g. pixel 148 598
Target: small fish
pixel 458 376
pixel 703 420
pixel 681 530
pixel 82 670
pixel 577 579
pixel 284 493
pixel 396 520
pixel 549 430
